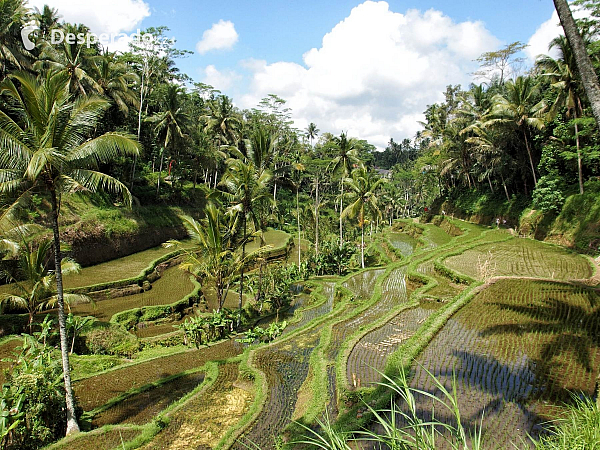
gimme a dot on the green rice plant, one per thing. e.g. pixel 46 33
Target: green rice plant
pixel 578 429
pixel 400 427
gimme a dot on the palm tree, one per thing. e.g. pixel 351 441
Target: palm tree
pixel 223 122
pixel 47 20
pixel 363 193
pixel 247 189
pixel 70 60
pixel 342 163
pixel 13 15
pixel 566 81
pixel 170 122
pixel 312 132
pixel 212 261
pixel 115 80
pixel 46 149
pixel 38 291
pixel 582 59
pixel 517 109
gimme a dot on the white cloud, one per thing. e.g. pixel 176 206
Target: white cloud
pixel 539 41
pixel 375 72
pixel 221 36
pixel 220 80
pixel 100 17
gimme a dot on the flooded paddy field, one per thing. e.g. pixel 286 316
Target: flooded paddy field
pixel 95 391
pixel 517 349
pixel 521 258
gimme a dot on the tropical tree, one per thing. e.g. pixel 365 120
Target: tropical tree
pixel 519 109
pixel 347 157
pixel 37 291
pixel 363 194
pixel 170 123
pixel 70 60
pixel 223 122
pixel 312 132
pixel 46 19
pixel 13 14
pixel 115 80
pixel 567 83
pixel 212 260
pixel 46 149
pixel 247 189
pixel 582 59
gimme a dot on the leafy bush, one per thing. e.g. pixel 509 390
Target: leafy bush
pixel 110 340
pixel 333 259
pixel 547 195
pixel 33 398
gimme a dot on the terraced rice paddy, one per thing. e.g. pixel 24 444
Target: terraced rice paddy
pixel 521 258
pixel 403 242
pixel 117 269
pixel 285 366
pixel 141 408
pixel 173 285
pixel 202 421
pixel 369 356
pixel 105 439
pixel 97 390
pixel 516 349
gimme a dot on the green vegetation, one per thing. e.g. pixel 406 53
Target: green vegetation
pixel 308 273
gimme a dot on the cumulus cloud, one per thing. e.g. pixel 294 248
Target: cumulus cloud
pixel 220 80
pixel 99 15
pixel 375 72
pixel 221 36
pixel 538 43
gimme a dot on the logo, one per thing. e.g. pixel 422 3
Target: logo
pixel 25 32
pixel 58 36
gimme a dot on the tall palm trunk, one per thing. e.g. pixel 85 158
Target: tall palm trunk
pixel 317 219
pixel 341 209
pixel 530 158
pixel 239 318
pixel 298 216
pixel 159 173
pixel 72 426
pixel 579 165
pixel 362 242
pixel 582 59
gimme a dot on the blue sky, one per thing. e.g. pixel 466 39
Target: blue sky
pixel 368 68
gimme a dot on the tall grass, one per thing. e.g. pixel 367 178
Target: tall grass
pixel 400 427
pixel 579 429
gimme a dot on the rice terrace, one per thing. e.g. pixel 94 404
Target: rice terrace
pixel 188 261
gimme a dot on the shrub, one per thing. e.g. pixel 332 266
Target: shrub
pixel 110 340
pixel 547 195
pixel 33 398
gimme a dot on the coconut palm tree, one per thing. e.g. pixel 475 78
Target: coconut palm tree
pixel 70 60
pixel 46 19
pixel 519 109
pixel 213 261
pixel 343 163
pixel 363 194
pixel 223 122
pixel 170 123
pixel 247 188
pixel 115 80
pixel 47 150
pixel 582 59
pixel 38 290
pixel 312 132
pixel 13 15
pixel 565 79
